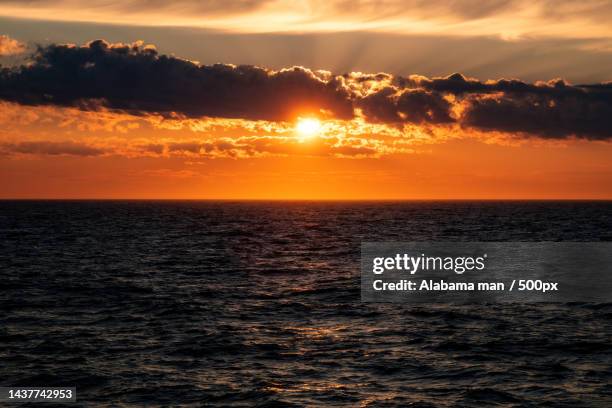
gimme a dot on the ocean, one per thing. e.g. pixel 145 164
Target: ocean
pixel 237 303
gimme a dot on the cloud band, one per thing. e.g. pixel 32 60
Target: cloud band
pixel 137 80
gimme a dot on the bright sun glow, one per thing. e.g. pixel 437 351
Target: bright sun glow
pixel 308 127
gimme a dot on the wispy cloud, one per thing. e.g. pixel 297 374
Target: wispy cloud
pixel 508 18
pixel 51 148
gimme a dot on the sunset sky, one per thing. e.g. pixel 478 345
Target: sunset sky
pixel 312 99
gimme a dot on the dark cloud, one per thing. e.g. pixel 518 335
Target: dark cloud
pixel 52 148
pixel 458 84
pixel 153 148
pixel 545 116
pixel 185 147
pixel 553 109
pixel 136 79
pixel 406 106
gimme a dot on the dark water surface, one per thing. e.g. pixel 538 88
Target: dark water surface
pixel 257 304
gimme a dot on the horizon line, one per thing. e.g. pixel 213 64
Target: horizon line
pixel 302 199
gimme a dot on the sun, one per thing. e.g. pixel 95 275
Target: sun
pixel 307 127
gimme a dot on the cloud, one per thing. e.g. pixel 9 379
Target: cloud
pixel 553 109
pixel 458 9
pixel 140 7
pixel 185 147
pixel 154 148
pixel 51 148
pixel 546 18
pixel 390 105
pixel 10 46
pixel 544 116
pixel 135 78
pixel 259 146
pixel 137 81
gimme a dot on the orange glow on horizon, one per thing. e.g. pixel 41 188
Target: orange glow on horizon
pixel 48 152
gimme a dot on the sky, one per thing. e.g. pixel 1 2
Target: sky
pixel 270 99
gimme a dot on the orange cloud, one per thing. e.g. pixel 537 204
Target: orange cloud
pixel 510 19
pixel 10 46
